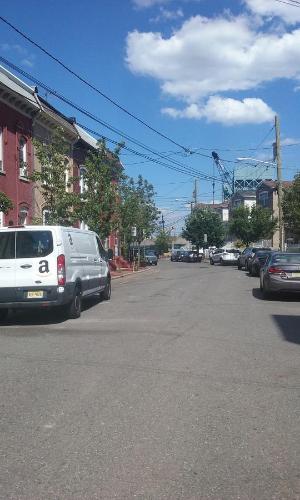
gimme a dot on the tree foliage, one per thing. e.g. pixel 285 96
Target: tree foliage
pixel 251 225
pixel 291 206
pixel 99 205
pixel 162 241
pixel 5 203
pixel 137 210
pixel 52 178
pixel 200 222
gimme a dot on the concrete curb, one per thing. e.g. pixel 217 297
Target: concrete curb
pixel 132 273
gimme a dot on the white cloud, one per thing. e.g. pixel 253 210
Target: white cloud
pixel 204 58
pixel 289 141
pixel 27 57
pixel 288 13
pixel 226 111
pixel 148 3
pixel 167 15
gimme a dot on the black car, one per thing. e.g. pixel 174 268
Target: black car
pixel 191 256
pixel 257 261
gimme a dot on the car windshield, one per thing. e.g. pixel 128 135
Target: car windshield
pixel 232 250
pixel 261 254
pixel 286 258
pixel 150 252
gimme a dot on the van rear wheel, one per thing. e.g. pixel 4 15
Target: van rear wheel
pixel 3 314
pixel 74 308
pixel 106 294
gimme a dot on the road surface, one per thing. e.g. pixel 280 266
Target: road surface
pixel 184 386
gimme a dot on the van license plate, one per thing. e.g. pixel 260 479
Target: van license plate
pixel 295 275
pixel 37 294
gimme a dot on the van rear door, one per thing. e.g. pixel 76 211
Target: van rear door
pixel 36 261
pixel 7 266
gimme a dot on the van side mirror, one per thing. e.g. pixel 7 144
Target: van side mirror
pixel 110 254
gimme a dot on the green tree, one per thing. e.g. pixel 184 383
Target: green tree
pixel 200 222
pixel 5 203
pixel 162 241
pixel 99 203
pixel 291 206
pixel 137 210
pixel 251 225
pixel 54 179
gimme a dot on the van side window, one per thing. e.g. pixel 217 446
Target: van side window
pixel 102 252
pixel 7 245
pixel 31 244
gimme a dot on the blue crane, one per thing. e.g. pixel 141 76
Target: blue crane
pixel 227 177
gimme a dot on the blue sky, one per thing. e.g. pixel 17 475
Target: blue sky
pixel 209 75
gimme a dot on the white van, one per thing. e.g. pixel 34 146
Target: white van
pixel 45 266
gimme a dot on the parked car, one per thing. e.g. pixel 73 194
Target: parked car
pixel 280 273
pixel 257 261
pixel 151 257
pixel 175 254
pixel 247 254
pixel 191 256
pixel 223 256
pixel 46 266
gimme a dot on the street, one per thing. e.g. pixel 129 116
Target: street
pixel 185 385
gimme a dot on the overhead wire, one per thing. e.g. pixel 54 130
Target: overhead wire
pixel 100 121
pixel 90 85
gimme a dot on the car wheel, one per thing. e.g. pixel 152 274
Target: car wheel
pixel 239 265
pixel 246 265
pixel 211 262
pixel 106 294
pixel 74 308
pixel 266 293
pixel 3 314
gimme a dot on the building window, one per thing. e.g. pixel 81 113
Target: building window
pixel 23 214
pixel 46 216
pixel 263 198
pixel 82 182
pixel 23 157
pixel 1 151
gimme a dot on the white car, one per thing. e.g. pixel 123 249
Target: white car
pixel 224 256
pixel 45 266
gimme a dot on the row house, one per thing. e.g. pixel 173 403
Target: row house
pixel 24 116
pixel 267 197
pixel 19 106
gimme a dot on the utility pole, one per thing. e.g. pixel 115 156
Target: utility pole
pixel 279 184
pixel 195 193
pixel 163 222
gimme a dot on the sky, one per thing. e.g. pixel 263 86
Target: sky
pixel 203 75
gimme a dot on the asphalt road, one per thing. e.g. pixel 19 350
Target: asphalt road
pixel 184 386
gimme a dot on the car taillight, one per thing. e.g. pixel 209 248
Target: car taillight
pixel 275 270
pixel 61 270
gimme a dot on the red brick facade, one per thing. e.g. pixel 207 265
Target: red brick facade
pixel 16 134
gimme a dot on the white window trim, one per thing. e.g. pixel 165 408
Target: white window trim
pixel 1 150
pixel 1 219
pixel 82 183
pixel 23 169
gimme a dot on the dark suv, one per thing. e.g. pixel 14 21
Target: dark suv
pixel 246 255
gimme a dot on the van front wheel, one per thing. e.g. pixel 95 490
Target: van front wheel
pixel 74 308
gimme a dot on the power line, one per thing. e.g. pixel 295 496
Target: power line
pixel 101 122
pixel 289 3
pixel 90 85
pixel 192 173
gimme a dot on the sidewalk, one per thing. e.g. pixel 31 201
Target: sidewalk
pixel 129 272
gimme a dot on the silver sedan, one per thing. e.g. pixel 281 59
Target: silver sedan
pixel 280 273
